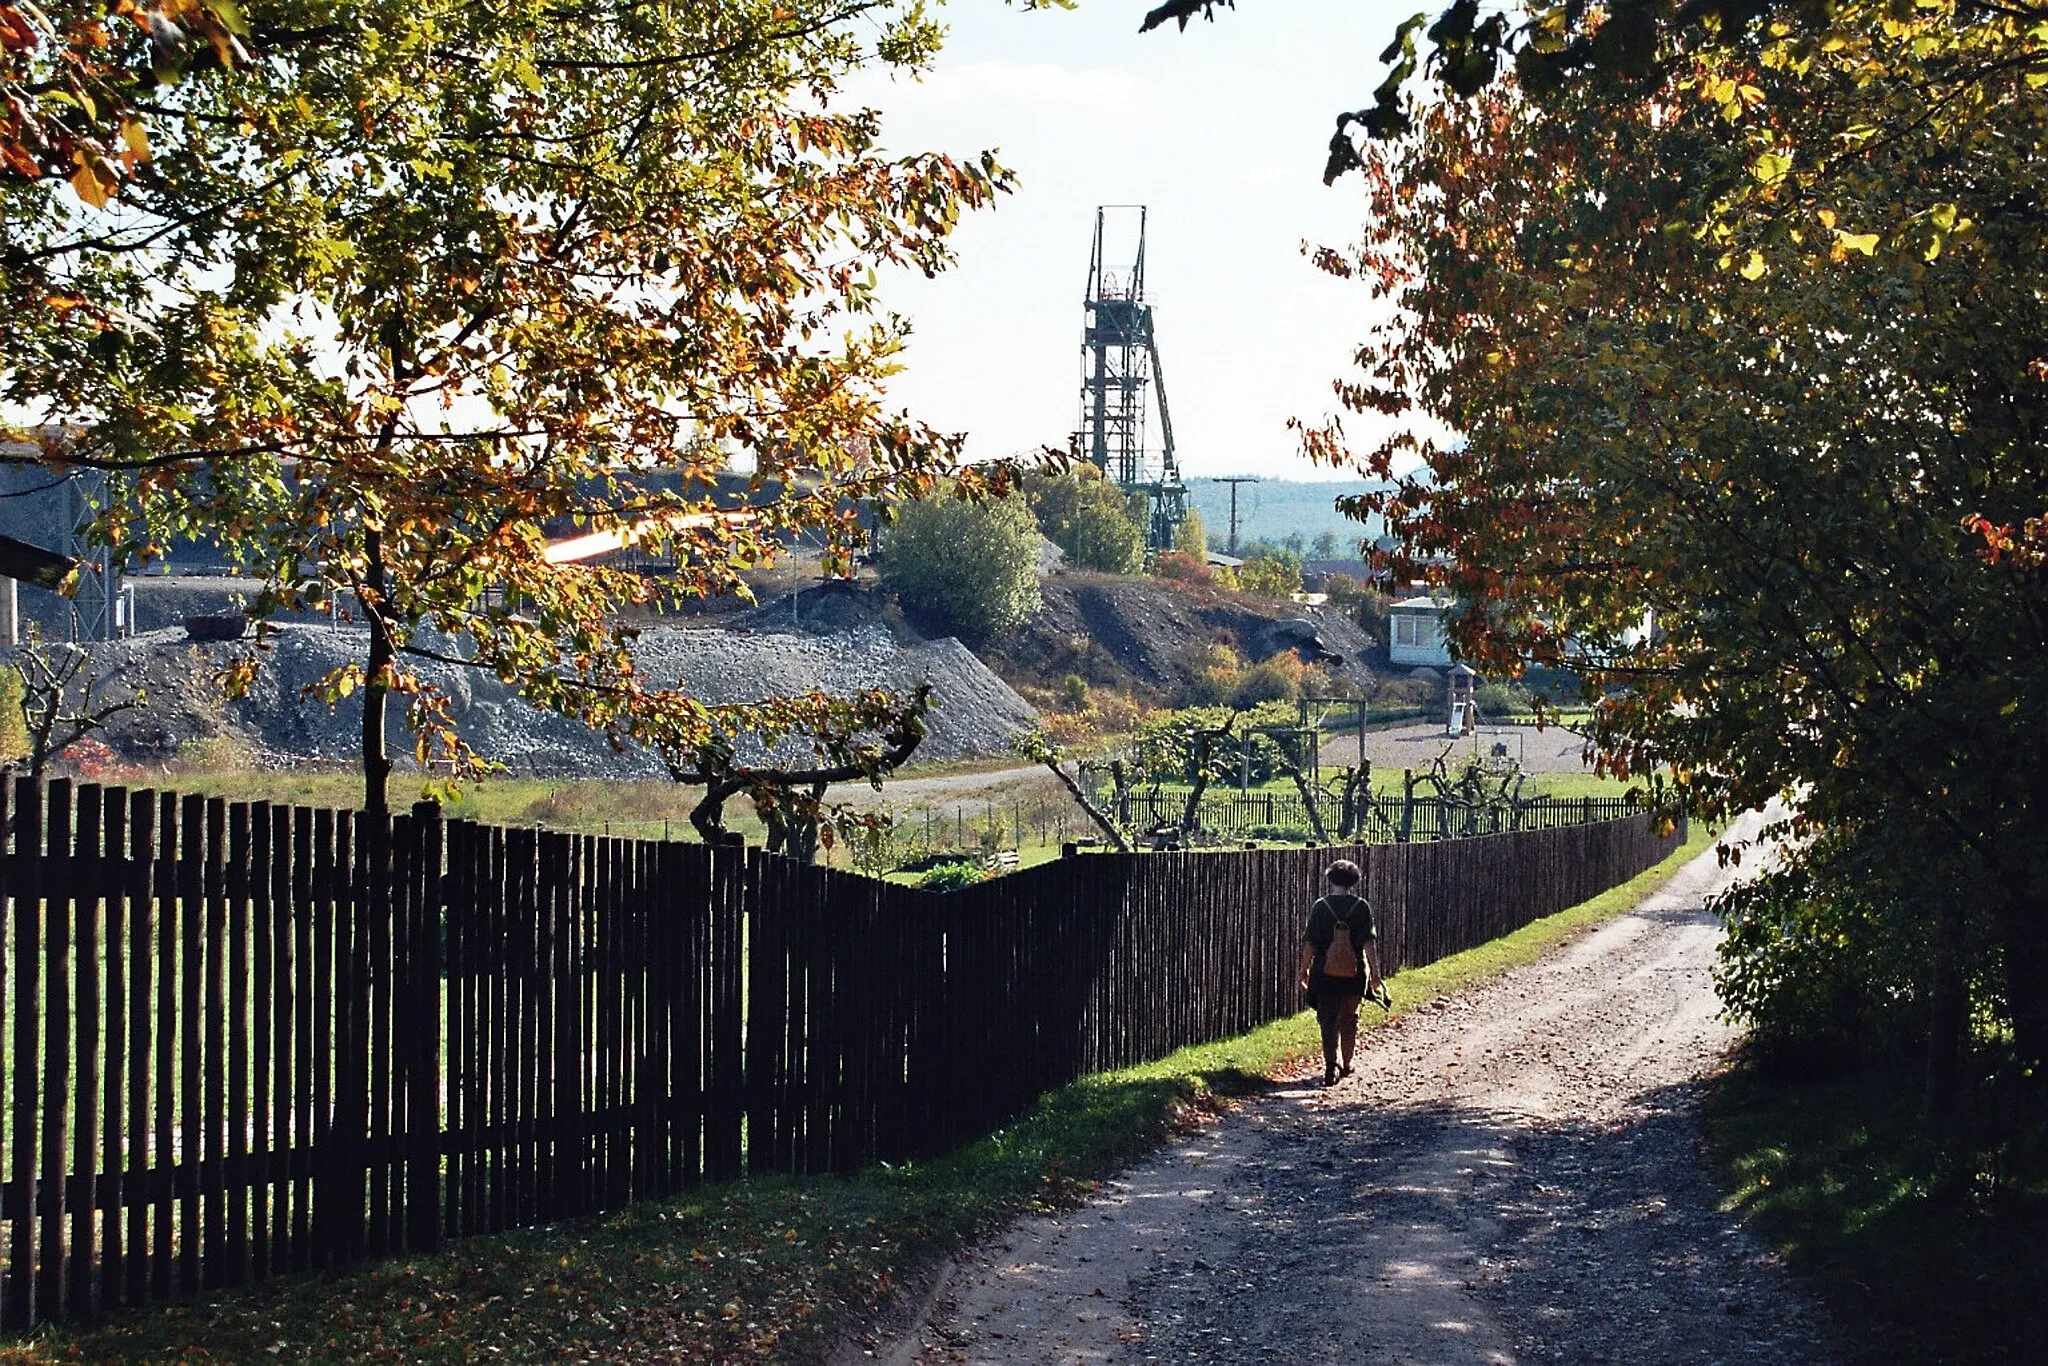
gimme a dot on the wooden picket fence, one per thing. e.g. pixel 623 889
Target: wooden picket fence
pixel 246 1039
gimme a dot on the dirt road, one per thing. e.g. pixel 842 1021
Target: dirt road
pixel 1511 1177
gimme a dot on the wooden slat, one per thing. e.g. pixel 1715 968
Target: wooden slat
pixel 58 1099
pixel 24 1303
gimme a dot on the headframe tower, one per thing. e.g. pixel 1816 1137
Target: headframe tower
pixel 1119 362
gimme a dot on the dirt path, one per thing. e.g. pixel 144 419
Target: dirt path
pixel 1513 1176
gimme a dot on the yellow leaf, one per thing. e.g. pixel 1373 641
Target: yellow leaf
pixel 1865 242
pixel 1827 218
pixel 89 186
pixel 136 138
pixel 1753 269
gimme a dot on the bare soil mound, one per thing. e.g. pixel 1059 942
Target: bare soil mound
pixel 1145 635
pixel 976 713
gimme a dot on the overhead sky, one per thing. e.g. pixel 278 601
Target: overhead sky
pixel 1221 131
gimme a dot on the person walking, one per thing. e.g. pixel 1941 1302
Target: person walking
pixel 1340 964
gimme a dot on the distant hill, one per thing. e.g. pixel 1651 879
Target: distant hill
pixel 1274 508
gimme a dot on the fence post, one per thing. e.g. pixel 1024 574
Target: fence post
pixel 423 1040
pixel 362 874
pixel 1407 805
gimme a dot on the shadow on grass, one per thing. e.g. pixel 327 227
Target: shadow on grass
pixel 1922 1256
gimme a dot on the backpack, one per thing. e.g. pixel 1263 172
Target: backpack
pixel 1341 958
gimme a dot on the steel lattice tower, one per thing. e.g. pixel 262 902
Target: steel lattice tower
pixel 1119 362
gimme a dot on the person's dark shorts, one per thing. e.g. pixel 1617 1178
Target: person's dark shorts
pixel 1330 990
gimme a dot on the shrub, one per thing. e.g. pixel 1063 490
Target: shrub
pixel 1503 699
pixel 1181 567
pixel 1408 692
pixel 952 875
pixel 214 754
pixel 1360 601
pixel 1074 693
pixel 1192 538
pixel 1292 834
pixel 13 724
pixel 1278 679
pixel 974 565
pixel 1213 671
pixel 1271 575
pixel 1811 963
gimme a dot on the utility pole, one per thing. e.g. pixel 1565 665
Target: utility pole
pixel 1234 480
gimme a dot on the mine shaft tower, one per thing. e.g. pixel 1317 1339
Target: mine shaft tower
pixel 1119 361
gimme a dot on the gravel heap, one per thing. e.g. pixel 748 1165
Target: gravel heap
pixel 975 712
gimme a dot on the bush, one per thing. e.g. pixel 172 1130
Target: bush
pixel 952 875
pixel 1497 699
pixel 214 754
pixel 1181 567
pixel 974 565
pixel 1817 960
pixel 1191 538
pixel 1271 575
pixel 1292 834
pixel 1074 693
pixel 13 724
pixel 1212 675
pixel 1279 679
pixel 1409 692
pixel 1360 601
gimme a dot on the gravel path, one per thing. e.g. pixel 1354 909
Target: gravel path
pixel 1512 1176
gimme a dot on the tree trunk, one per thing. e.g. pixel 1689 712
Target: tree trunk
pixel 2023 935
pixel 1948 1013
pixel 376 681
pixel 1095 813
pixel 1308 801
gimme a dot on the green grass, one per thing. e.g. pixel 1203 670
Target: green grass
pixel 1918 1256
pixel 761 1270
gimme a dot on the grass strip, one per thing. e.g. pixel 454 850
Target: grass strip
pixel 762 1270
pixel 1842 1178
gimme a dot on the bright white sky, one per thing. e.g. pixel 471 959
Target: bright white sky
pixel 1221 130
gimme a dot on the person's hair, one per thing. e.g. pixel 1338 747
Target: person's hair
pixel 1343 873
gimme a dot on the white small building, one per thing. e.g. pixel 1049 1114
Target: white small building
pixel 1415 632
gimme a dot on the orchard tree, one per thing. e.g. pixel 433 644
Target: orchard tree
pixel 1745 375
pixel 377 296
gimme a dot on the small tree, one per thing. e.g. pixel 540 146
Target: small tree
pixel 973 564
pixel 1191 537
pixel 1089 519
pixel 62 699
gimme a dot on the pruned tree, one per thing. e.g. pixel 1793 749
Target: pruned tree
pixel 1035 747
pixel 386 299
pixel 64 698
pixel 860 739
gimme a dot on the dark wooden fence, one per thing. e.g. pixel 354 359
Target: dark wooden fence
pixel 244 1039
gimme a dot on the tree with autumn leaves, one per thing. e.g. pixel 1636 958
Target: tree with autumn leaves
pixel 1717 362
pixel 378 297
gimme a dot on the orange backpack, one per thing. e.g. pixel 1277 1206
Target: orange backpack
pixel 1341 958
